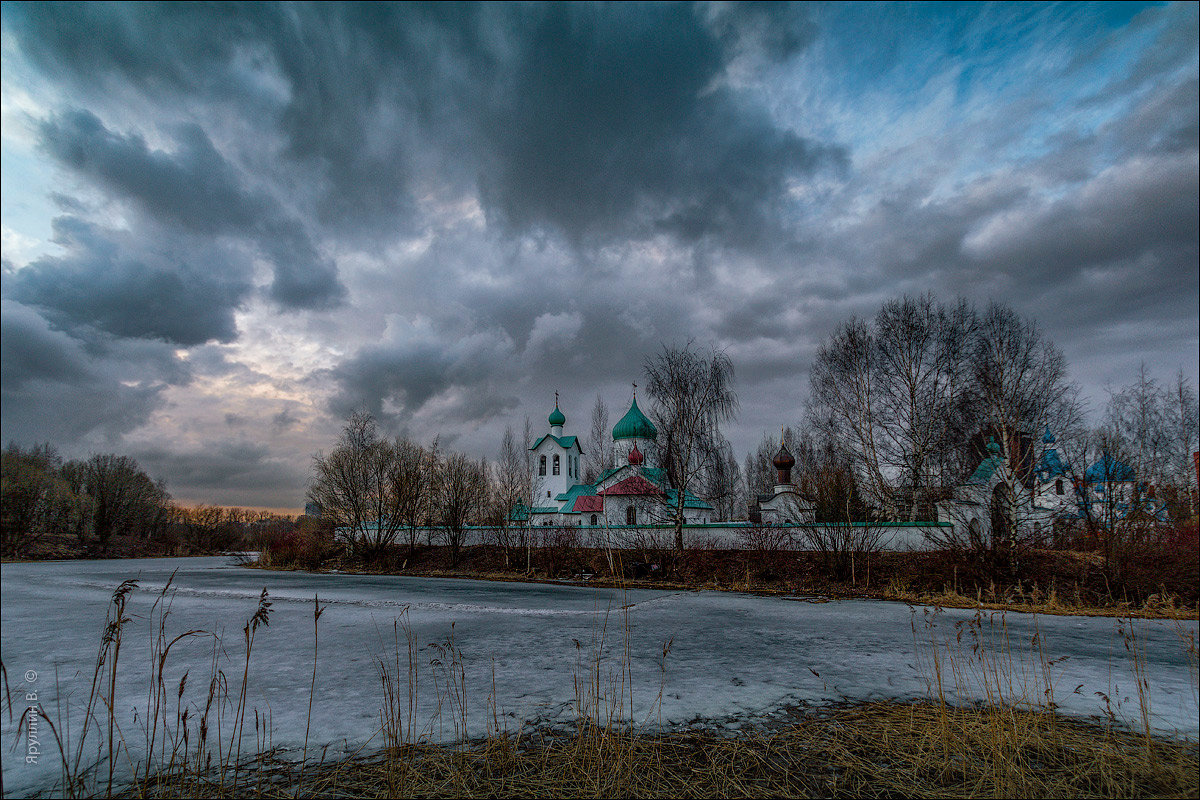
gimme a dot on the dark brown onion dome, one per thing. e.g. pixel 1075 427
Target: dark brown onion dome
pixel 783 459
pixel 635 456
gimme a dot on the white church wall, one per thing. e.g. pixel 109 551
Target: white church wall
pixel 892 537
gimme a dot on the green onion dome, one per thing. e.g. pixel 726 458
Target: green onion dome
pixel 634 425
pixel 557 417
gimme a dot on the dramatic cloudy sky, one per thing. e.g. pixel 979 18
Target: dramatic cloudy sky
pixel 226 226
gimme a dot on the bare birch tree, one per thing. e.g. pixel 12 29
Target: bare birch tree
pixel 354 486
pixel 903 393
pixel 512 479
pixel 600 447
pixel 844 404
pixel 1022 388
pixel 410 485
pixel 462 485
pixel 693 396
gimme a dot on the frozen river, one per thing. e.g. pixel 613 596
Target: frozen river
pixel 524 646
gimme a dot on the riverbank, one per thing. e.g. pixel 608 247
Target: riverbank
pixel 1053 582
pixel 909 749
pixel 67 547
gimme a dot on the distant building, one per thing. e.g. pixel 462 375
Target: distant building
pixel 785 505
pixel 1108 492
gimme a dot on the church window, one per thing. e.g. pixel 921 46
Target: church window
pixel 631 516
pixel 556 464
pixel 593 519
pixel 1058 486
pixel 542 465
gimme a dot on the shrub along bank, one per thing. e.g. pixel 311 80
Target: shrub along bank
pixel 1155 581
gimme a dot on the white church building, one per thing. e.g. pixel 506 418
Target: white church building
pixel 632 493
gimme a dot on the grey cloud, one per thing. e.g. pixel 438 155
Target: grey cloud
pixel 613 125
pixel 775 31
pixel 623 157
pixel 53 389
pixel 283 421
pixel 34 352
pixel 238 472
pixel 599 122
pixel 196 189
pixel 407 374
pixel 152 285
pixel 1147 205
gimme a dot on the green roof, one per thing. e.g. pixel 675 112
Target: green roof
pixel 608 472
pixel 557 417
pixel 983 473
pixel 634 425
pixel 520 513
pixel 565 442
pixel 575 491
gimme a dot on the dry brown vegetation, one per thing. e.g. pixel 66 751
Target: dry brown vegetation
pixel 862 750
pixel 1156 584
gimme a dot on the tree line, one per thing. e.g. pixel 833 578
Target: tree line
pixel 104 496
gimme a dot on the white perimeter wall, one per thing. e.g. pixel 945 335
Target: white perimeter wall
pixel 716 536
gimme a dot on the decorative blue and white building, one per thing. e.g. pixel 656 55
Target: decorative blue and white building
pixel 994 497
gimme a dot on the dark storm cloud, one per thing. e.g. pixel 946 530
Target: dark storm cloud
pixel 148 286
pixel 598 122
pixel 34 352
pixel 614 123
pixel 196 189
pixel 395 380
pixel 283 421
pixel 646 174
pixel 1145 207
pixel 55 389
pixel 193 187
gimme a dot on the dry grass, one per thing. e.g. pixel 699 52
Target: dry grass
pixel 861 750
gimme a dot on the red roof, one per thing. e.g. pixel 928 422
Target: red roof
pixel 635 484
pixel 589 504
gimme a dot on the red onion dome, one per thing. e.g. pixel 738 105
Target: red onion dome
pixel 783 459
pixel 635 456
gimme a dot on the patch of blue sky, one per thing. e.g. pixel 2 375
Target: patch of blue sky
pixel 25 204
pixel 885 78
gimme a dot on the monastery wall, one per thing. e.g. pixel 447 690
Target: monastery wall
pixel 902 537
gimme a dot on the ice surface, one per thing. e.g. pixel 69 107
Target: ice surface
pixel 731 655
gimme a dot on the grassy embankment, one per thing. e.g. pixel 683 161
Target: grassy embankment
pixel 66 547
pixel 1012 743
pixel 1045 581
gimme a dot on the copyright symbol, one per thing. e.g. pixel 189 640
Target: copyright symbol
pixel 30 676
